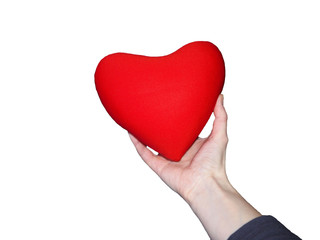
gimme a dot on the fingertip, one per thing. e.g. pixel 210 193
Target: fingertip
pixel 133 139
pixel 219 105
pixel 219 130
pixel 130 135
pixel 221 100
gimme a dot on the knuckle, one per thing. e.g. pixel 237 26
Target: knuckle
pixel 225 116
pixel 225 139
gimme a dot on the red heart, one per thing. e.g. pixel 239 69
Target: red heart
pixel 164 101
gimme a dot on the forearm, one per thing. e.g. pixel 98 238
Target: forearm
pixel 220 208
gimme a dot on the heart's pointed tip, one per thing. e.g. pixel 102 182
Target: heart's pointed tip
pixel 169 157
pixel 175 158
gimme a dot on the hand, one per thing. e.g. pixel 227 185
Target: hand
pixel 204 160
pixel 200 178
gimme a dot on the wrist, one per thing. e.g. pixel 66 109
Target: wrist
pixel 208 187
pixel 220 208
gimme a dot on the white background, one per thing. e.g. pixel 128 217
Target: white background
pixel 68 171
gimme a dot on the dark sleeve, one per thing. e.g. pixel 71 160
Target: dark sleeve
pixel 263 228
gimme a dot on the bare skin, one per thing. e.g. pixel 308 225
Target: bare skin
pixel 200 179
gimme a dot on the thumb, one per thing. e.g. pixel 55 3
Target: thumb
pixel 219 130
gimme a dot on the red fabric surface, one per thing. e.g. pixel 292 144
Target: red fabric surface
pixel 164 101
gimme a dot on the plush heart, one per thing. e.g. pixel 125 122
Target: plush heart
pixel 165 101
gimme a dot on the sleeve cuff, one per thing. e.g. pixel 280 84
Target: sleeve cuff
pixel 263 228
